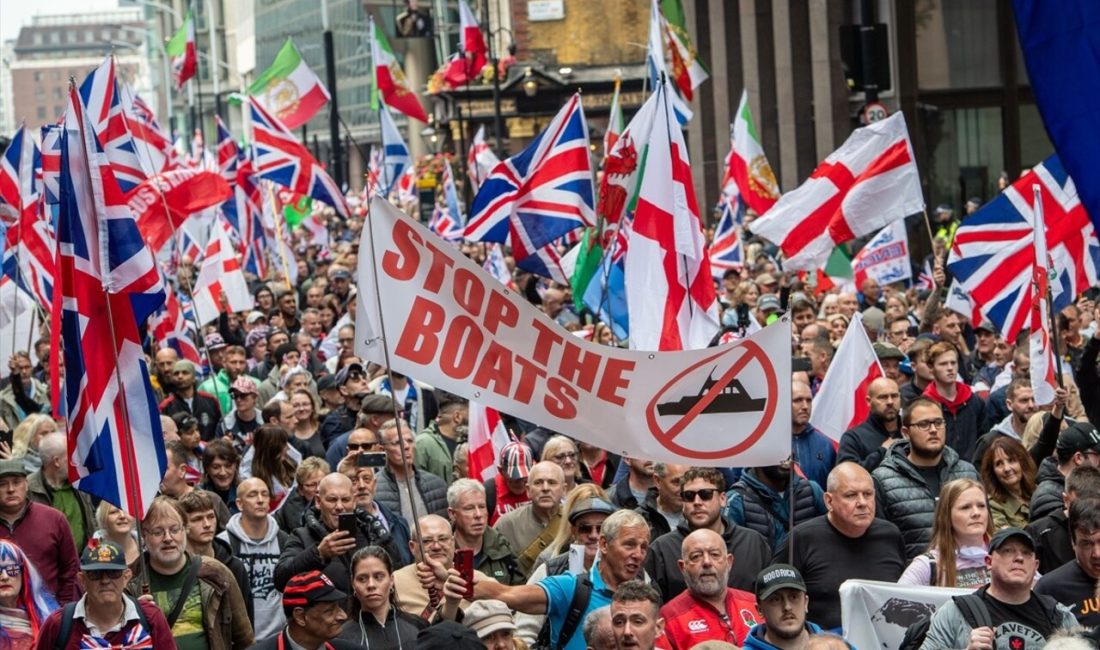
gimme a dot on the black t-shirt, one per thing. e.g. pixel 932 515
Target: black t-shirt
pixel 1072 587
pixel 1029 623
pixel 931 476
pixel 826 558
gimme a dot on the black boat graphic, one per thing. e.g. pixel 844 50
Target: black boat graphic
pixel 732 399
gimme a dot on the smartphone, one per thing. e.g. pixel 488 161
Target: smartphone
pixel 464 563
pixel 8 438
pixel 346 522
pixel 371 459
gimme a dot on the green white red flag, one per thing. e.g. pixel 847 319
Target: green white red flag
pixel 389 78
pixel 687 70
pixel 181 49
pixel 747 166
pixel 290 89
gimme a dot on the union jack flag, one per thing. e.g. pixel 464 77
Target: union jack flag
pixel 17 176
pixel 100 95
pixel 539 195
pixel 28 243
pixel 171 330
pixel 726 250
pixel 281 158
pixel 992 255
pixel 109 285
pixel 242 212
pixel 138 638
pixel 154 144
pixel 51 163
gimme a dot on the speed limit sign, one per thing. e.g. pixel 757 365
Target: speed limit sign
pixel 874 112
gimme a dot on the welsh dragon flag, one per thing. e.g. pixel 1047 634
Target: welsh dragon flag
pixel 389 79
pixel 615 121
pixel 185 59
pixel 290 89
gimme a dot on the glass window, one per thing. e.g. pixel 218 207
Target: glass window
pixel 1035 146
pixel 41 112
pixel 966 154
pixel 957 44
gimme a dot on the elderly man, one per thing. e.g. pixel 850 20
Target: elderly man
pixel 437 542
pixel 201 598
pixel 624 538
pixel 105 611
pixel 848 542
pixel 598 633
pixel 470 518
pixel 429 492
pixel 708 610
pixel 531 527
pixel 41 531
pixel 50 486
pixel 321 544
pixel 704 497
pixel 364 482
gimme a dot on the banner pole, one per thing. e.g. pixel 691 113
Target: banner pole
pixel 389 374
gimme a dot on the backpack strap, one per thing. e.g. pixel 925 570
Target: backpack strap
pixel 973 610
pixel 66 628
pixel 932 568
pixel 582 595
pixel 185 590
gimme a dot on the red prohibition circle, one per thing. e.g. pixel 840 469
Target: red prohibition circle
pixel 752 351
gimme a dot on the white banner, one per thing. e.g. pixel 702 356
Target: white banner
pixel 19 323
pixel 885 258
pixel 450 324
pixel 876 614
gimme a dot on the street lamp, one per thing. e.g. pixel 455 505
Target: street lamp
pixel 162 7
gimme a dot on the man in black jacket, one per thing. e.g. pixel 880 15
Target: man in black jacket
pixel 320 544
pixel 1052 531
pixel 186 398
pixel 662 508
pixel 351 381
pixel 703 492
pixel 868 442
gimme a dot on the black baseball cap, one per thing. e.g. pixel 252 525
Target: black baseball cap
pixel 1079 436
pixel 1005 534
pixel 102 555
pixel 776 577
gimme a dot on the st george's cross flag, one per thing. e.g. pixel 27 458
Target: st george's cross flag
pixel 220 272
pixel 869 182
pixel 487 437
pixel 669 289
pixel 481 159
pixel 841 401
pixel 289 88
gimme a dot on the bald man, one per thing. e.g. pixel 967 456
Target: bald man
pixel 708 610
pixel 868 442
pixel 531 527
pixel 847 542
pixel 320 545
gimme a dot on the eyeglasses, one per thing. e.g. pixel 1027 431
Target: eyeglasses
pixel 928 425
pixel 344 341
pixel 565 455
pixel 356 446
pixel 12 570
pixel 588 529
pixel 442 540
pixel 706 494
pixel 112 574
pixel 355 376
pixel 161 533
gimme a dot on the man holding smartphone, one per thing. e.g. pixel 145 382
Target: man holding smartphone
pixel 331 531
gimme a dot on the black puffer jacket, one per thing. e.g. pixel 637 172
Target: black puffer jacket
pixel 432 489
pixel 903 497
pixel 300 553
pixel 863 443
pixel 1049 485
pixel 749 548
pixel 649 511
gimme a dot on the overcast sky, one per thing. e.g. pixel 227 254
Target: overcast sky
pixel 16 13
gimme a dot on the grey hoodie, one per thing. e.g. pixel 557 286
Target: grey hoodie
pixel 259 559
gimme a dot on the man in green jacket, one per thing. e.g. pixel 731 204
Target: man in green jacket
pixel 469 516
pixel 234 364
pixel 435 446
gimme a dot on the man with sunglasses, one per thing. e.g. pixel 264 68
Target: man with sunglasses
pixel 703 492
pixel 351 381
pixel 105 612
pixel 908 481
pixel 364 438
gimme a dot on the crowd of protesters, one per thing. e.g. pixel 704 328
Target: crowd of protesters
pixel 312 499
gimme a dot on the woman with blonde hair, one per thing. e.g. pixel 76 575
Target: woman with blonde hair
pixel 26 437
pixel 960 540
pixel 562 451
pixel 115 525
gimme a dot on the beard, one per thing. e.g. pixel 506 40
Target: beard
pixel 707 585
